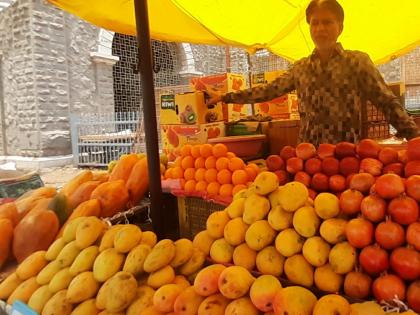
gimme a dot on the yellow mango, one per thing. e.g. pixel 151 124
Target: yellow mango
pixel 107 264
pixel 88 231
pixel 127 238
pixel 58 304
pixel 60 281
pixel 83 287
pixel 39 298
pixel 32 265
pixel 24 291
pixel 54 249
pixel 84 261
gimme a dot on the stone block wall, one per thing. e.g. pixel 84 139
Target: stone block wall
pixel 18 82
pixel 48 74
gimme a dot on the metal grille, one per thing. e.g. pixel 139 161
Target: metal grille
pixel 263 61
pixel 100 138
pixel 127 84
pixel 412 98
pixel 412 67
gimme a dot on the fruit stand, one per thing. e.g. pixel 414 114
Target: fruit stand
pixel 317 231
pixel 284 229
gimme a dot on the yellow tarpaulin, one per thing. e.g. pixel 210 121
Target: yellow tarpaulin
pixel 384 29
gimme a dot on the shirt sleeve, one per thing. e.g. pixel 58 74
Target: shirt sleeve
pixel 376 91
pixel 280 86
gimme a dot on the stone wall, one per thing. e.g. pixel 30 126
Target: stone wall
pixel 48 74
pixel 20 121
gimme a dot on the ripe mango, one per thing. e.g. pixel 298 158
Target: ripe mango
pixel 160 256
pixel 203 241
pixel 270 262
pixel 332 304
pixel 165 297
pixel 161 277
pixel 213 305
pixel 259 235
pixel 292 196
pixel 306 222
pixel 206 281
pixel 256 208
pixel 216 222
pixel 294 300
pixel 289 242
pixel 187 302
pixel 236 208
pixel 316 251
pixel 263 291
pixel 279 219
pixel 183 252
pixel 299 271
pixel 241 306
pixel 244 256
pixel 235 282
pixel 342 258
pixel 265 183
pixel 234 232
pixel 327 280
pixel 221 251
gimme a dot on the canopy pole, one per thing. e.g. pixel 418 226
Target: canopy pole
pixel 145 60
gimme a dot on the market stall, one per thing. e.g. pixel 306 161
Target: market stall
pixel 266 225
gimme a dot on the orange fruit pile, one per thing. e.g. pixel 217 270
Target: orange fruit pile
pixel 211 169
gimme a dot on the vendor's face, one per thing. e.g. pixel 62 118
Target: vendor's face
pixel 325 28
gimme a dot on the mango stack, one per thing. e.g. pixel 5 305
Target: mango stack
pixel 96 269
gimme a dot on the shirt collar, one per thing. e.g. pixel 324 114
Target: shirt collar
pixel 338 50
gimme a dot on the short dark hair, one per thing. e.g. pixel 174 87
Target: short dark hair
pixel 331 5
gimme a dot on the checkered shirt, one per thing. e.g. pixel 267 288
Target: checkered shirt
pixel 331 97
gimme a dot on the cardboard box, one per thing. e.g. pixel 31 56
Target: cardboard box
pixel 280 107
pixel 188 108
pixel 234 112
pixel 174 136
pixel 262 78
pixel 225 83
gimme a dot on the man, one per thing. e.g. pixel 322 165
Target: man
pixel 332 84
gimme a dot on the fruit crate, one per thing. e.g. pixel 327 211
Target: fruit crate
pixel 193 213
pixel 377 130
pixel 373 113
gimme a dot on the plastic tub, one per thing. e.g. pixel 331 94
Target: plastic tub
pixel 242 146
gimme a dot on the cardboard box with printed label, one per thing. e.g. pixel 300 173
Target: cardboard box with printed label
pixel 262 78
pixel 225 83
pixel 278 108
pixel 188 108
pixel 174 136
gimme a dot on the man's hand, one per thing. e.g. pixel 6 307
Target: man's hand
pixel 213 97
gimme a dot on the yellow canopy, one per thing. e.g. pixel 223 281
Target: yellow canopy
pixel 384 29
